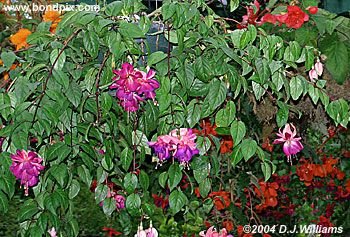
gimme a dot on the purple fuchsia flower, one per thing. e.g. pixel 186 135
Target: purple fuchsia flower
pixel 292 144
pixel 133 86
pixel 52 232
pixel 26 166
pixel 180 143
pixel 164 146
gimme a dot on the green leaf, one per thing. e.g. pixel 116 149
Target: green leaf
pixel 238 131
pixel 84 175
pixel 204 187
pixel 27 211
pixel 74 93
pixel 61 77
pixel 237 155
pixel 91 43
pixel 266 169
pixel 175 176
pixel 225 116
pixel 263 69
pixel 155 58
pixel 126 158
pixel 203 145
pixel 4 203
pixel 338 110
pixel 296 88
pixel 282 114
pixel 130 30
pixel 130 182
pixel 60 173
pixel 58 62
pixel 234 4
pixel 248 148
pixel 144 180
pixel 114 8
pixel 163 177
pixel 101 193
pixel 168 10
pixel 338 62
pixel 8 58
pixel 56 151
pixel 177 200
pixel 73 189
pixel 313 93
pixel 193 112
pixel 133 202
pixel 109 205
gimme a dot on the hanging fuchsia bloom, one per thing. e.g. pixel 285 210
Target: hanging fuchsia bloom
pixel 151 231
pixel 316 71
pixel 292 144
pixel 180 143
pixel 134 86
pixel 26 166
pixel 211 232
pixel 186 148
pixel 52 232
pixel 119 201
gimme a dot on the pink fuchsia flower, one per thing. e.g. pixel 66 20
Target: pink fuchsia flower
pixel 164 146
pixel 119 201
pixel 140 232
pixel 316 71
pixel 180 143
pixel 26 166
pixel 292 144
pixel 134 86
pixel 211 232
pixel 313 74
pixel 52 232
pixel 319 67
pixel 151 231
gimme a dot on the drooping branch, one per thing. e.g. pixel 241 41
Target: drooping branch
pixel 98 78
pixel 65 44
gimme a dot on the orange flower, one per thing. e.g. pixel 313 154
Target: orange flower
pixel 340 174
pixel 6 75
pixel 328 164
pixel 226 145
pixel 54 17
pixel 319 171
pixel 20 38
pixel 228 225
pixel 221 199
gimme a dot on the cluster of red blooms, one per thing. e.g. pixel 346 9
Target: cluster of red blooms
pixel 267 191
pixel 307 171
pixel 293 18
pixel 208 129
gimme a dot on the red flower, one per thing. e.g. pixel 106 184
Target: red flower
pixel 295 17
pixel 207 129
pixel 226 145
pixel 268 18
pixel 159 201
pixel 110 232
pixel 228 225
pixel 221 199
pixel 267 145
pixel 312 10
